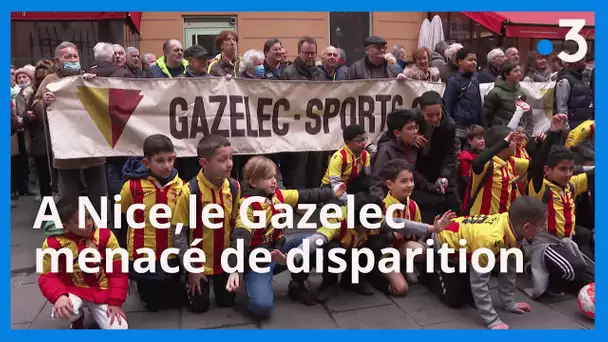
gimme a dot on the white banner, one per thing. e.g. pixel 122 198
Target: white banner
pixel 112 117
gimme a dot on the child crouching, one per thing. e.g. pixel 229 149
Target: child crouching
pixel 260 181
pixel 102 293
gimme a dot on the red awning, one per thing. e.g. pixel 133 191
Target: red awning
pixel 133 17
pixel 533 24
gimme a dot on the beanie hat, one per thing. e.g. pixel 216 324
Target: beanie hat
pixel 28 70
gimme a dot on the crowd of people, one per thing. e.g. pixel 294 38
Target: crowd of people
pixel 463 168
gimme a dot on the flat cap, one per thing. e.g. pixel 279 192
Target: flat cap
pixel 374 40
pixel 196 51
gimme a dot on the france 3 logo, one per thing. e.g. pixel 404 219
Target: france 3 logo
pixel 545 46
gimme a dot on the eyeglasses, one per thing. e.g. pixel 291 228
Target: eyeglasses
pixel 309 53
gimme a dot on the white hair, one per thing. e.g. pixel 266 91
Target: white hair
pixel 511 49
pixel 452 50
pixel 248 59
pixel 132 49
pixel 118 47
pixel 150 57
pixel 494 53
pixel 62 46
pixel 103 52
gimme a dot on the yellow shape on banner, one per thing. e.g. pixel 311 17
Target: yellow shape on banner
pixel 548 98
pixel 95 101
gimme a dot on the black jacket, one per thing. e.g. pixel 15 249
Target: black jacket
pixel 110 69
pixel 488 74
pixel 361 70
pixel 300 71
pixel 441 158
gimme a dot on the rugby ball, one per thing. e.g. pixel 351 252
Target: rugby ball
pixel 586 300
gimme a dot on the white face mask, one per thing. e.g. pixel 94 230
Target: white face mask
pixel 24 85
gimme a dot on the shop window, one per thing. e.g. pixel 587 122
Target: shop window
pixel 203 30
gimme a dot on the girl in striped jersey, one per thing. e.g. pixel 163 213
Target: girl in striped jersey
pixel 259 176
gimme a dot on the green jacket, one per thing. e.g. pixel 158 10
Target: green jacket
pixel 499 106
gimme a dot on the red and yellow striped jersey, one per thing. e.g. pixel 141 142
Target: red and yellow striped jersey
pixel 101 288
pixel 500 188
pixel 560 203
pixel 348 238
pixel 269 234
pixel 149 192
pixel 521 151
pixel 345 165
pixel 410 212
pixel 493 232
pixel 582 132
pixel 214 241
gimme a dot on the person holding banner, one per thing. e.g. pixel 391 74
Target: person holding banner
pixel 300 163
pixel 228 62
pixel 171 64
pixel 373 65
pixel 71 170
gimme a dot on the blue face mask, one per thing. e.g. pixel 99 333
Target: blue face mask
pixel 71 66
pixel 259 71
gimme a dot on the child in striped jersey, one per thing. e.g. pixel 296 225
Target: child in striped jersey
pixel 259 176
pixel 560 257
pixel 211 186
pixel 152 180
pixel 351 163
pixel 400 182
pixel 495 173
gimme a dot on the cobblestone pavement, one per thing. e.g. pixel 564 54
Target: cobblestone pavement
pixel 418 310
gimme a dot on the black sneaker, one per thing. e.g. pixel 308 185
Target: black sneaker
pixel 324 292
pixel 298 292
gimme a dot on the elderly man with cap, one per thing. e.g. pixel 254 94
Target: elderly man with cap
pixel 374 64
pixel 198 59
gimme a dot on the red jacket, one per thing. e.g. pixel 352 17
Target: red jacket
pixel 466 160
pixel 100 288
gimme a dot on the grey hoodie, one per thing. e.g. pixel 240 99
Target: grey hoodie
pixel 535 250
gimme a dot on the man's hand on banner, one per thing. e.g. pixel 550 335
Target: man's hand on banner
pixel 48 98
pixel 88 76
pixel 229 77
pixel 401 77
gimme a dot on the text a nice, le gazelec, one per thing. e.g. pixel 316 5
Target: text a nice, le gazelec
pixel 212 214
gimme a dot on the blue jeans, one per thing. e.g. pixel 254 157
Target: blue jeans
pixel 259 285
